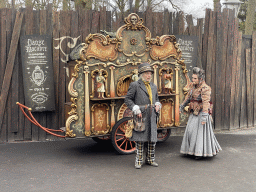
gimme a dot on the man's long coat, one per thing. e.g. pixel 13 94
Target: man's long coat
pixel 138 95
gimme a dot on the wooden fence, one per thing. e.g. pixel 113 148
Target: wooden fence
pixel 226 55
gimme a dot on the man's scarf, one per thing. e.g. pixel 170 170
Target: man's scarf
pixel 147 85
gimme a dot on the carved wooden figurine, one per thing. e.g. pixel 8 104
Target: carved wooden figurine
pixel 100 85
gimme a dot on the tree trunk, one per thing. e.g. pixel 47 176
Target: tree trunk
pixel 250 17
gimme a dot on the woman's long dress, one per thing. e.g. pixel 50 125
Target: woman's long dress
pixel 198 139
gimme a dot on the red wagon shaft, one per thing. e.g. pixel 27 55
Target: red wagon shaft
pixel 34 121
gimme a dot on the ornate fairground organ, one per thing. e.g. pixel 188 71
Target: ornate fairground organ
pixel 101 77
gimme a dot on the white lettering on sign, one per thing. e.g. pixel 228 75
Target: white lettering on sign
pixel 35 46
pixel 185 45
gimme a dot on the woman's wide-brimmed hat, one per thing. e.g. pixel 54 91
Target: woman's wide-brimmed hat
pixel 144 67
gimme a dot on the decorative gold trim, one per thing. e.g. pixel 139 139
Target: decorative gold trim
pixel 186 88
pixel 120 84
pixel 99 47
pixel 121 111
pixel 69 133
pixel 87 116
pixel 177 98
pixel 112 82
pixel 160 117
pixel 155 75
pixel 71 89
pixel 93 115
pixel 161 50
pixel 112 105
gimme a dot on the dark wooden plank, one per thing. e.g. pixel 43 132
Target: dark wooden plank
pixel 149 20
pixel 227 27
pixel 166 22
pixel 42 117
pixel 3 130
pixel 50 123
pixel 190 25
pixel 234 74
pixel 230 62
pixel 219 80
pixel 10 64
pixel 56 67
pixel 181 21
pixel 175 24
pixel 214 72
pixel 49 18
pixel 95 22
pixel 108 21
pixel 29 17
pixel 65 19
pixel 35 24
pixel 253 75
pixel 9 30
pixel 2 45
pixel 238 94
pixel 103 21
pixel 199 33
pixel 28 28
pixel 208 71
pixel 248 88
pixel 14 83
pixel 243 116
pixel 170 24
pixel 205 37
pixel 159 24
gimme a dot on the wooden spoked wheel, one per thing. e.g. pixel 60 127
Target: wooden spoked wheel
pixel 121 143
pixel 163 134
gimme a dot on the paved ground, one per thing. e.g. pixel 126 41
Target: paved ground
pixel 83 165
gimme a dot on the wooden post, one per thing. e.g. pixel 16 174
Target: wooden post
pixel 10 64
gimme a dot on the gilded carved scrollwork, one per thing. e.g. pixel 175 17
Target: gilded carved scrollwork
pixel 166 118
pixel 100 119
pixel 99 47
pixel 124 83
pixel 164 47
pixel 124 111
pixel 69 133
pixel 186 88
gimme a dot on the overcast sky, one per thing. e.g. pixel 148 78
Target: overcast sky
pixel 195 7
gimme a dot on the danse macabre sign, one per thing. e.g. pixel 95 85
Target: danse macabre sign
pixel 188 45
pixel 36 51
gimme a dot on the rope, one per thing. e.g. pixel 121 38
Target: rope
pixel 35 122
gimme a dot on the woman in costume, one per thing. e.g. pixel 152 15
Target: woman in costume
pixel 199 139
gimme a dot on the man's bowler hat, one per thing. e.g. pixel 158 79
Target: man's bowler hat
pixel 144 67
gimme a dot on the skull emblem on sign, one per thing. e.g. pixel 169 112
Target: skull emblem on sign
pixel 134 19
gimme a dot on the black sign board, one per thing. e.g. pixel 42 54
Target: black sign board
pixel 188 45
pixel 36 52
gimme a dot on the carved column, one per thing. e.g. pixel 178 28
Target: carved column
pixel 112 83
pixel 155 75
pixel 87 122
pixel 112 105
pixel 177 97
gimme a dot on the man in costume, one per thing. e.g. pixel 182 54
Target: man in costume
pixel 199 139
pixel 142 99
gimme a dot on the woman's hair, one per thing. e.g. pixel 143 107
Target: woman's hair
pixel 199 72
